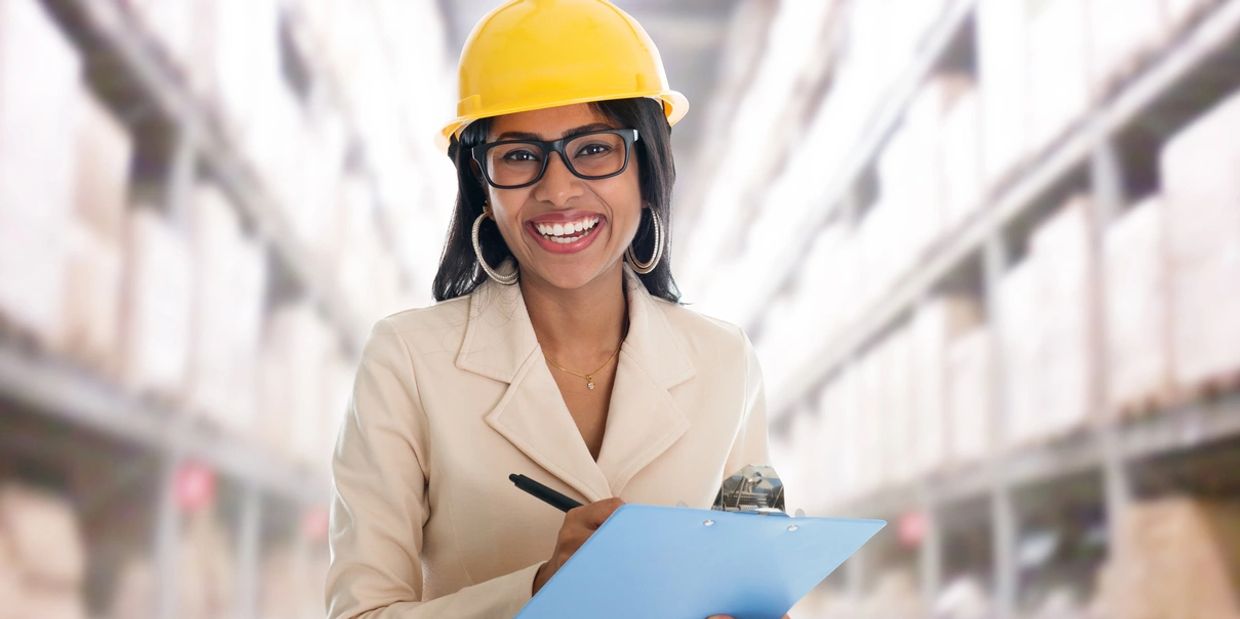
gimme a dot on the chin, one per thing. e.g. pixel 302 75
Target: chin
pixel 571 276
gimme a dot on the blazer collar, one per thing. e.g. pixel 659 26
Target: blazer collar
pixel 643 420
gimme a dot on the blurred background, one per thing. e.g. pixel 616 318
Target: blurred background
pixel 989 251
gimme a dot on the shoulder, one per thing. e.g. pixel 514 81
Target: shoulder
pixel 705 335
pixel 424 330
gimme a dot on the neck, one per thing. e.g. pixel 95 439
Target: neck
pixel 581 326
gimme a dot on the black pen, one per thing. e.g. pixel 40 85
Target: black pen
pixel 549 496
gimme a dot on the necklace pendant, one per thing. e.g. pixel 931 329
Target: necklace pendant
pixel 589 383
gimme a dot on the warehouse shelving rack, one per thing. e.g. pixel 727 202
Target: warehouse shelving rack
pixel 55 401
pixel 200 139
pixel 834 196
pixel 1194 70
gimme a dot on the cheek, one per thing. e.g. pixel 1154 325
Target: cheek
pixel 628 210
pixel 506 216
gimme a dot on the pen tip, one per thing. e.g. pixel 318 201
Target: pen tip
pixel 513 477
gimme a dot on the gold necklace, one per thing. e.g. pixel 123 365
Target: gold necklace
pixel 589 376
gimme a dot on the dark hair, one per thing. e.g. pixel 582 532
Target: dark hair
pixel 459 272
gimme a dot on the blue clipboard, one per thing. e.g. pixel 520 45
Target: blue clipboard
pixel 660 562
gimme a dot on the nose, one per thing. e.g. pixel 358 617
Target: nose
pixel 558 185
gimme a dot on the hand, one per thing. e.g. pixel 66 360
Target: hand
pixel 579 524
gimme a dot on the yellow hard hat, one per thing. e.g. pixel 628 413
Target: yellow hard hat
pixel 535 54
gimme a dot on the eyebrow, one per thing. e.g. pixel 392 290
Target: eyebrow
pixel 522 135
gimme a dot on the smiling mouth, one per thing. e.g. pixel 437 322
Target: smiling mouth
pixel 565 233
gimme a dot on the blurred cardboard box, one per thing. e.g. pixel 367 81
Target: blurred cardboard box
pixel 1202 191
pixel 1062 371
pixel 93 298
pixel 832 464
pixel 937 324
pixel 881 254
pixel 902 421
pixel 94 235
pixel 1003 84
pixel 910 169
pixel 895 594
pixel 37 124
pixel 970 411
pixel 47 554
pixel 1121 33
pixel 961 154
pixel 157 307
pixel 1059 87
pixel 873 422
pixel 274 401
pixel 1138 327
pixel 244 68
pixel 339 383
pixel 52 604
pixel 1176 557
pixel 42 531
pixel 1044 327
pixel 1022 348
pixel 842 417
pixel 206 571
pixel 281 595
pixel 296 383
pixel 104 155
pixel 229 287
pixel 10 578
pixel 134 594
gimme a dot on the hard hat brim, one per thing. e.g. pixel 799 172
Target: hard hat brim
pixel 675 106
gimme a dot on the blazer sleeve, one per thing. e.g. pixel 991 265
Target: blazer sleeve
pixel 379 504
pixel 751 445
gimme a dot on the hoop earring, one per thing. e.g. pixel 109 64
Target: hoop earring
pixel 646 267
pixel 500 278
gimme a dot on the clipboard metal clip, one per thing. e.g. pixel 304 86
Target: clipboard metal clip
pixel 755 489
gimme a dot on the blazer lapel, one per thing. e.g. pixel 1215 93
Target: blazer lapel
pixel 499 343
pixel 643 420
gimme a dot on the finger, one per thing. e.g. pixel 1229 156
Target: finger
pixel 604 510
pixel 593 515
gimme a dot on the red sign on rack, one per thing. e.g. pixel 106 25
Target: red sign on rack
pixel 194 487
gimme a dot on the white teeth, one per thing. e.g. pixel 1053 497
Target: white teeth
pixel 564 233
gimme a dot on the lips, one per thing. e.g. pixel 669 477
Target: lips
pixel 560 231
pixel 564 233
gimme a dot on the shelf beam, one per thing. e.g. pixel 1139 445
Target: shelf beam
pixel 59 390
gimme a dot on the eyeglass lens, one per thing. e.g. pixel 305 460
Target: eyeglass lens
pixel 590 156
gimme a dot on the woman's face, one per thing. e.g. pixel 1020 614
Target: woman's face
pixel 597 218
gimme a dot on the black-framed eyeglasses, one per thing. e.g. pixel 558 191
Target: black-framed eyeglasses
pixel 594 155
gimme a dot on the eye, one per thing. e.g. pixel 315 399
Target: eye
pixel 597 148
pixel 520 155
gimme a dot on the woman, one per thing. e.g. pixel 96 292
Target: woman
pixel 558 348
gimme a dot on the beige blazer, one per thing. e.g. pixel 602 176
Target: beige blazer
pixel 451 399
